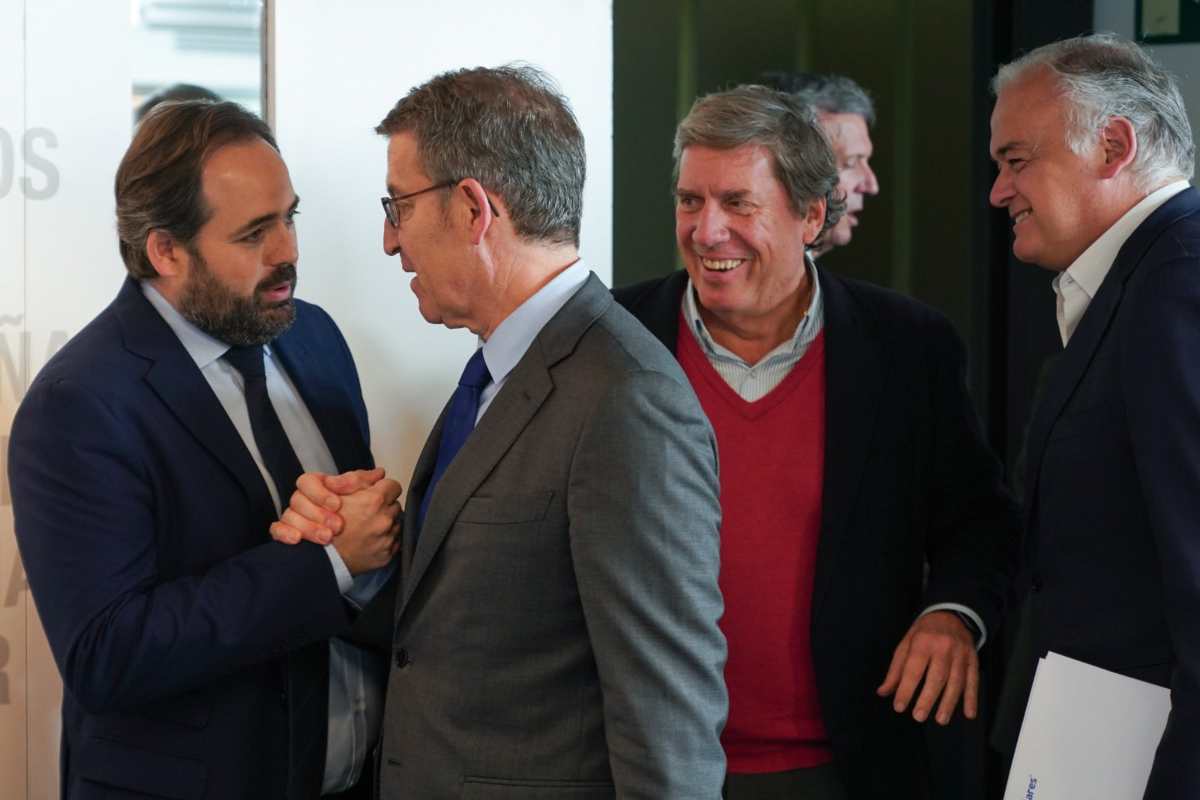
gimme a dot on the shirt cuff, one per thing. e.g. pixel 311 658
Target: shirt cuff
pixel 962 610
pixel 340 571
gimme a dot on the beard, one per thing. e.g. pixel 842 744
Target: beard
pixel 236 320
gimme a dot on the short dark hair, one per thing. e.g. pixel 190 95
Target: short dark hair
pixel 802 159
pixel 826 92
pixel 173 94
pixel 508 128
pixel 158 184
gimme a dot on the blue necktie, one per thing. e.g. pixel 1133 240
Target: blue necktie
pixel 307 671
pixel 460 421
pixel 273 445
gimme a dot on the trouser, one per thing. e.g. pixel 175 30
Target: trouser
pixel 813 783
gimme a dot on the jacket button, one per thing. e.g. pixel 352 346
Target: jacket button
pixel 402 659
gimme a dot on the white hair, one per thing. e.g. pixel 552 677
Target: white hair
pixel 1104 76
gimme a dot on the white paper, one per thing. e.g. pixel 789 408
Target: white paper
pixel 1088 733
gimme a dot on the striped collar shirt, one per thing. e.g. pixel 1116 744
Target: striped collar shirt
pixel 754 381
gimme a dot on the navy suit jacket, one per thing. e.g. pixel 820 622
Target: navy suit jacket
pixel 1112 550
pixel 908 479
pixel 184 635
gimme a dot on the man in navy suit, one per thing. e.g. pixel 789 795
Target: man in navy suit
pixel 1094 153
pixel 866 537
pixel 149 458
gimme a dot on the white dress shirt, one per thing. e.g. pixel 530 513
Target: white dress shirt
pixel 355 692
pixel 1075 287
pixel 754 381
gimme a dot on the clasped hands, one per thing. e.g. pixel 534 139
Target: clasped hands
pixel 357 512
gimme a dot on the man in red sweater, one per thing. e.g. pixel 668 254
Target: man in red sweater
pixel 867 539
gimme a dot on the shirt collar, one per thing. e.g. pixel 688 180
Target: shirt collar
pixel 814 313
pixel 512 337
pixel 203 348
pixel 1092 266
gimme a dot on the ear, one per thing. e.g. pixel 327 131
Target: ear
pixel 813 220
pixel 1119 142
pixel 479 206
pixel 168 256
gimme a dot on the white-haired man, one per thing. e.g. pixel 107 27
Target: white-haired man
pixel 1094 150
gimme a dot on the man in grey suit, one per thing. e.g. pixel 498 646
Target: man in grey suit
pixel 554 631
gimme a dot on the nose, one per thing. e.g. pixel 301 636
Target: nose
pixel 284 248
pixel 869 183
pixel 391 239
pixel 1002 190
pixel 711 228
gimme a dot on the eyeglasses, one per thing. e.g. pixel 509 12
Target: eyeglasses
pixel 393 213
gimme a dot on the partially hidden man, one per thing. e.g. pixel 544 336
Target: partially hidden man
pixel 199 658
pixel 866 537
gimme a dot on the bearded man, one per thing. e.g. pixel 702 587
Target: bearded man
pixel 200 659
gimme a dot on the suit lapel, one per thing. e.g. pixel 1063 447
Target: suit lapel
pixel 523 393
pixel 326 399
pixel 854 378
pixel 416 491
pixel 512 409
pixel 177 381
pixel 1072 364
pixel 658 307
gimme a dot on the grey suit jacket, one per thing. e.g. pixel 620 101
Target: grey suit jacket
pixel 555 629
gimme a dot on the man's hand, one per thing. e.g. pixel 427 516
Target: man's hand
pixel 370 532
pixel 939 648
pixel 312 513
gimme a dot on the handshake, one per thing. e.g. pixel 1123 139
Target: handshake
pixel 357 512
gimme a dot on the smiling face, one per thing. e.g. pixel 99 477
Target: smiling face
pixel 740 240
pixel 1051 193
pixel 852 147
pixel 240 268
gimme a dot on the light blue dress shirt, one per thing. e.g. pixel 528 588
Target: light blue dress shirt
pixel 512 337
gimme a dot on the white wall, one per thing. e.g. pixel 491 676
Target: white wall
pixel 64 123
pixel 65 92
pixel 337 74
pixel 1119 17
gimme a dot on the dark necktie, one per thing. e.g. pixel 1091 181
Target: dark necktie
pixel 460 421
pixel 307 670
pixel 273 445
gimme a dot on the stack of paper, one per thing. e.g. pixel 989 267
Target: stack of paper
pixel 1088 733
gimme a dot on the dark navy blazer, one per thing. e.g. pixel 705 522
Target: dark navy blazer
pixel 183 634
pixel 908 479
pixel 1112 550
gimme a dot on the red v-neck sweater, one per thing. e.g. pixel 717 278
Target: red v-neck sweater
pixel 772 458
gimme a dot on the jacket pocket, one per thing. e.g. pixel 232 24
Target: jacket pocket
pixel 509 509
pixel 120 766
pixel 480 788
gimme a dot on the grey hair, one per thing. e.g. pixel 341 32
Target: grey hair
pixel 1104 76
pixel 783 124
pixel 510 129
pixel 826 92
